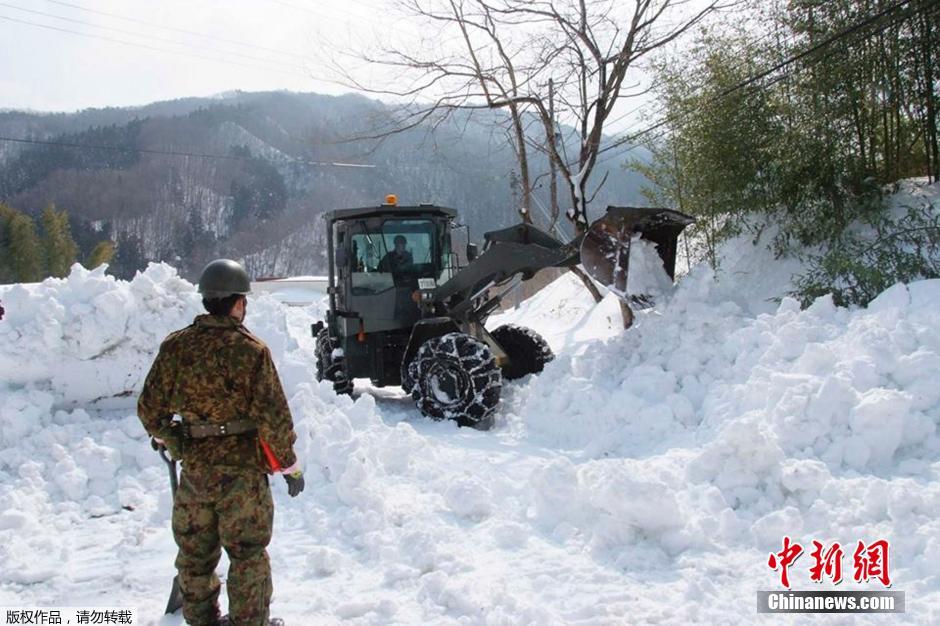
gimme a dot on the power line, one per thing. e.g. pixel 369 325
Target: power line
pixel 662 108
pixel 789 61
pixel 135 44
pixel 752 79
pixel 228 157
pixel 317 13
pixel 823 44
pixel 174 29
pixel 145 36
pixel 744 62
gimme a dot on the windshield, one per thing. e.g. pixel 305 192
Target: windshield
pixel 397 253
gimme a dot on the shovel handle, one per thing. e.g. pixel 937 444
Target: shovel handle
pixel 175 602
pixel 171 467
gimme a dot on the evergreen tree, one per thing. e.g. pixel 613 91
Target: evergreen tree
pixel 103 253
pixel 60 249
pixel 6 216
pixel 25 250
pixel 128 257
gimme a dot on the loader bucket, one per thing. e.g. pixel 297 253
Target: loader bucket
pixel 605 249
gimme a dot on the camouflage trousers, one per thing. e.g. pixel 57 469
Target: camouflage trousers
pixel 214 509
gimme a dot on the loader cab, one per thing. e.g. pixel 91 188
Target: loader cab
pixel 379 257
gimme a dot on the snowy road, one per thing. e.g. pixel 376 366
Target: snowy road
pixel 643 477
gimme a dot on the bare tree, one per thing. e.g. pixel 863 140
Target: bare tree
pixel 516 56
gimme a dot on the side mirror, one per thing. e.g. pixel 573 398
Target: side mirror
pixel 472 251
pixel 341 257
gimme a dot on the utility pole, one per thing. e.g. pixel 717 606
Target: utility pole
pixel 551 161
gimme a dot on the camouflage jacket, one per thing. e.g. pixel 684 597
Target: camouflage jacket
pixel 215 371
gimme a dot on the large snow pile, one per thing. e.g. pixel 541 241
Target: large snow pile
pixel 87 339
pixel 707 434
pixel 643 476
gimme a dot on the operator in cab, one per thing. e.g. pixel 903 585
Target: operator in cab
pixel 397 259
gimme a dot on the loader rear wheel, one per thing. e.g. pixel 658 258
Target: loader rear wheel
pixel 323 347
pixel 407 382
pixel 527 350
pixel 455 376
pixel 330 367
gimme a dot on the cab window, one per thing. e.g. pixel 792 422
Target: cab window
pixel 397 253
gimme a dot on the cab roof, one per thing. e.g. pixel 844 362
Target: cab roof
pixel 389 210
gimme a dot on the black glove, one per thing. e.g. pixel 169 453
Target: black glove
pixel 172 446
pixel 170 437
pixel 295 483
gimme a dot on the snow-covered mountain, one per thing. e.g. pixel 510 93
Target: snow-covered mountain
pixel 263 207
pixel 644 476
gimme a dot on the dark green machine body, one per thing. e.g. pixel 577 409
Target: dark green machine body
pixel 376 315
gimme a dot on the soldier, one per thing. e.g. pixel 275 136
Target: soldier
pixel 214 400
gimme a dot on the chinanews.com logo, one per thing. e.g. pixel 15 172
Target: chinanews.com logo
pixel 870 565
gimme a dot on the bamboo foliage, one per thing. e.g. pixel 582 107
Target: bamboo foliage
pixel 813 145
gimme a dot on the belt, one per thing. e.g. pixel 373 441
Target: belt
pixel 235 427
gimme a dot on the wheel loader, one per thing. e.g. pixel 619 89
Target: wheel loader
pixel 409 295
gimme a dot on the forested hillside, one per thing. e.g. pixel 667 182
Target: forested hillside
pixel 247 175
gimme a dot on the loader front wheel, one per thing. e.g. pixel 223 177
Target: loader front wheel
pixel 527 350
pixel 455 376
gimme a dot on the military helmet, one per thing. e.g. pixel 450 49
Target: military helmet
pixel 223 278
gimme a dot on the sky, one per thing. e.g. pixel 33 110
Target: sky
pixel 73 54
pixel 67 55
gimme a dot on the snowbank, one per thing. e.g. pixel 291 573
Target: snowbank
pixel 87 338
pixel 707 430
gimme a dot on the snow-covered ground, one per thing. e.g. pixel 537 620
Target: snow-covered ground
pixel 644 476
